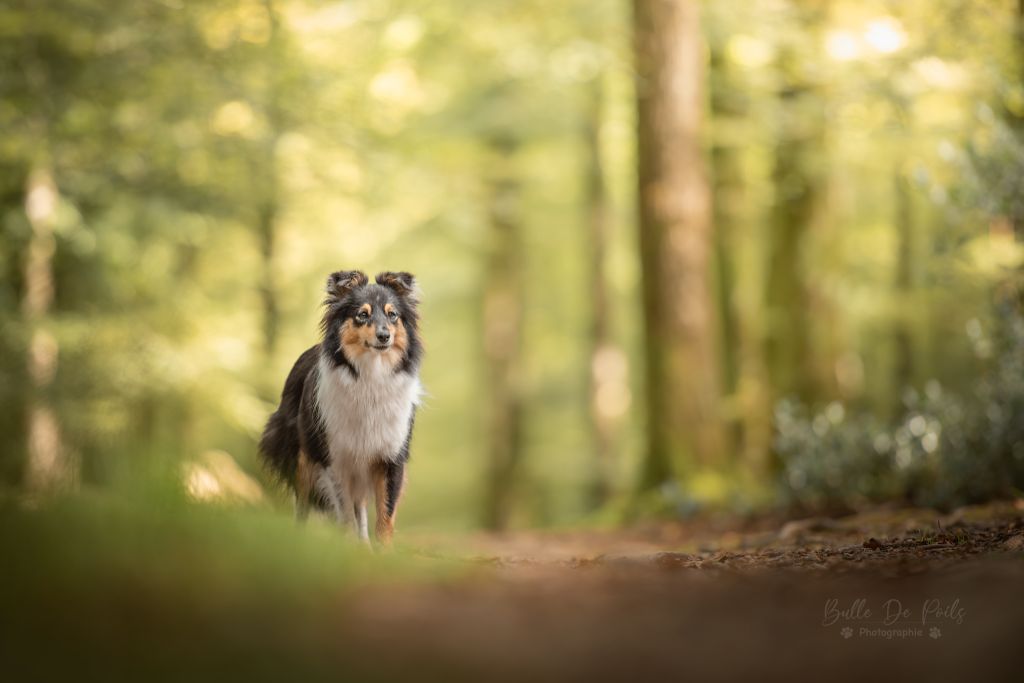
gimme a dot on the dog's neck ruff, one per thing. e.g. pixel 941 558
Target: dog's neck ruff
pixel 366 415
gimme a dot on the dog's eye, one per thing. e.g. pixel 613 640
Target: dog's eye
pixel 392 316
pixel 363 316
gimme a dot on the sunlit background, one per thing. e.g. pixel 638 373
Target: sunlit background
pixel 177 179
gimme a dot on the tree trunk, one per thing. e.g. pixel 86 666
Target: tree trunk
pixel 675 239
pixel 502 331
pixel 266 229
pixel 728 108
pixel 269 200
pixel 607 367
pixel 903 368
pixel 794 369
pixel 48 466
pixel 1017 123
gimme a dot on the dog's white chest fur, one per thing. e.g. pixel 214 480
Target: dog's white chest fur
pixel 366 418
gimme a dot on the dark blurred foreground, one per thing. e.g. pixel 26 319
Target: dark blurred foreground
pixel 211 594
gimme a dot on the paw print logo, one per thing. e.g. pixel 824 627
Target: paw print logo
pixel 846 632
pixel 935 633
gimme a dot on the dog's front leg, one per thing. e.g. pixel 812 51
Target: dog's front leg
pixel 361 521
pixel 359 495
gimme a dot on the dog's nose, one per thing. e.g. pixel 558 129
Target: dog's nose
pixel 383 336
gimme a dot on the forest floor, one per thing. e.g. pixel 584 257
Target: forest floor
pixel 885 594
pixel 890 593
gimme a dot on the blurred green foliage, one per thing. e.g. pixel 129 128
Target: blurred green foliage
pixel 945 450
pixel 214 161
pixel 151 586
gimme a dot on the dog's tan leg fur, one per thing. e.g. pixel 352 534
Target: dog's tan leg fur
pixel 305 480
pixel 385 523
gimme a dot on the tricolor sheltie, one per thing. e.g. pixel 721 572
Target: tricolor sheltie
pixel 342 430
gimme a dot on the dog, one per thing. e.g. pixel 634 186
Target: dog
pixel 343 428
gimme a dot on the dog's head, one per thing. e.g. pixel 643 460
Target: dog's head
pixel 365 320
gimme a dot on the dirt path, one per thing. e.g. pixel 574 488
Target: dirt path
pixel 891 595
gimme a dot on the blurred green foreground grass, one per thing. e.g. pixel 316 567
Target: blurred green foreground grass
pixel 102 588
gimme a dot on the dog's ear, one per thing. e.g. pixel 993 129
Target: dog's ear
pixel 404 285
pixel 342 282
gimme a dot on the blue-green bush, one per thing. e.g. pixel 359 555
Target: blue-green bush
pixel 945 449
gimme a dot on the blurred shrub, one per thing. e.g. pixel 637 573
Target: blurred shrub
pixel 945 450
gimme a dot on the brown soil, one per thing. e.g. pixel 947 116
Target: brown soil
pixel 917 595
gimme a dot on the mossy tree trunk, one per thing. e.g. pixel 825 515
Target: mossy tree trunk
pixel 728 110
pixel 606 369
pixel 268 187
pixel 903 338
pixel 796 366
pixel 502 335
